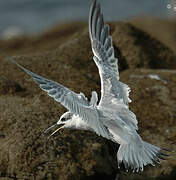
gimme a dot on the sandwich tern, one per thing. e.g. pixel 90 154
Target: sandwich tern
pixel 111 117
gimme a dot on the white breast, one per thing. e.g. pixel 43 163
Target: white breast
pixel 78 123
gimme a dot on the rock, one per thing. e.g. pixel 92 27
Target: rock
pixel 161 29
pixel 9 86
pixel 134 47
pixel 154 103
pixel 26 153
pixel 139 50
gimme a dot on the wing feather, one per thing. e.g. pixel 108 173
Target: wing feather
pixel 75 103
pixel 113 92
pixel 105 60
pixel 99 26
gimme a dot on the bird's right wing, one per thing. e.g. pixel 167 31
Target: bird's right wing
pixel 112 90
pixel 75 103
pixel 114 94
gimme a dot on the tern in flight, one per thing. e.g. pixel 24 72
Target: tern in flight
pixel 111 117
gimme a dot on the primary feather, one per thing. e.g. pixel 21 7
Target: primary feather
pixel 102 47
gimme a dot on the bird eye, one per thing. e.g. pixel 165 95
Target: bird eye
pixel 63 119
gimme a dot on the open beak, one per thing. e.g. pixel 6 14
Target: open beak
pixel 51 127
pixel 54 132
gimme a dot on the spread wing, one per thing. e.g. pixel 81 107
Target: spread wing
pixel 114 94
pixel 75 103
pixel 112 90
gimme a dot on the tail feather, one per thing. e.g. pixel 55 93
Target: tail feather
pixel 149 156
pixel 126 153
pixel 136 161
pixel 154 151
pixel 137 156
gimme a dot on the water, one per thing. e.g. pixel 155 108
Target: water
pixel 38 15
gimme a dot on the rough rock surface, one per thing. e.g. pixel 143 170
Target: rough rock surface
pixel 64 55
pixel 162 29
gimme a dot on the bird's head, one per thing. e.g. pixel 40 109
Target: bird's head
pixel 63 120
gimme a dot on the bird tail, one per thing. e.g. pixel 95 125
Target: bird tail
pixel 137 156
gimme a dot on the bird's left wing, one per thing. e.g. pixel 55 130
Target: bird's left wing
pixel 112 90
pixel 75 103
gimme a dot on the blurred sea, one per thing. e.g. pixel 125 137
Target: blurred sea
pixel 37 15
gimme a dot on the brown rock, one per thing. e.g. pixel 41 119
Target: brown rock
pixel 139 50
pixel 9 87
pixel 25 153
pixel 161 29
pixel 154 103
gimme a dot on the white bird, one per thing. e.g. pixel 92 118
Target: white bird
pixel 111 117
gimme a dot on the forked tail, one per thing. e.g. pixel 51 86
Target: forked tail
pixel 135 156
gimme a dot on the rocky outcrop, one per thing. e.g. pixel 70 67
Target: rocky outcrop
pixel 146 65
